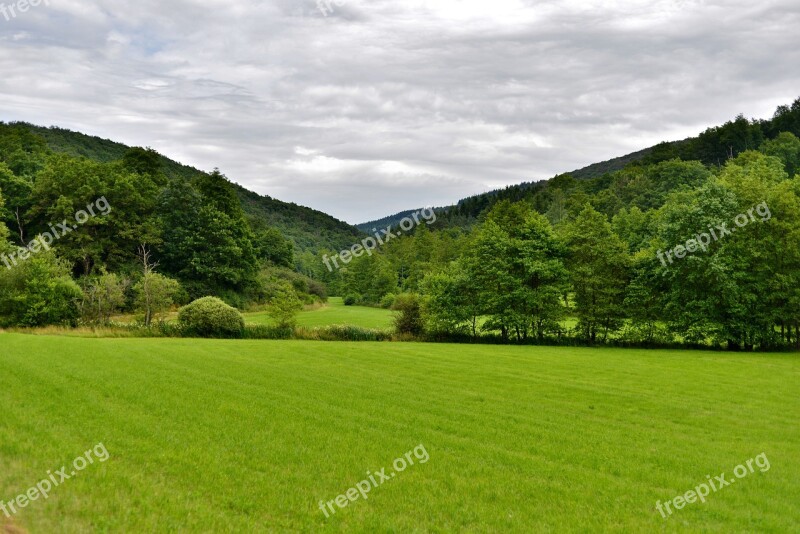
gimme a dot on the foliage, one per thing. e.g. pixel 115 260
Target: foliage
pixel 211 317
pixel 272 281
pixel 343 333
pixel 387 302
pixel 452 303
pixel 284 307
pixel 409 317
pixel 598 263
pixel 370 278
pixel 39 292
pixel 103 296
pixel 155 294
pixel 786 147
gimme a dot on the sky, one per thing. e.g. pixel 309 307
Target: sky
pixel 363 108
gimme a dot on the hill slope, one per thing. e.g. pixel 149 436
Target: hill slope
pixel 713 147
pixel 310 230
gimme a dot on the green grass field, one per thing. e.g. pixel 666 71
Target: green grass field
pixel 249 436
pixel 335 313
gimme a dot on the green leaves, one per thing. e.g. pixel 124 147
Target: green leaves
pixel 39 292
pixel 598 263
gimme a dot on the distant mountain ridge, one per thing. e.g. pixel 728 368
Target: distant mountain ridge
pixel 591 171
pixel 712 147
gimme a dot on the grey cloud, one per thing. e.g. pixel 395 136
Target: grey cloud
pixel 386 105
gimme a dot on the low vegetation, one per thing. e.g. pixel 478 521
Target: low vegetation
pixel 211 317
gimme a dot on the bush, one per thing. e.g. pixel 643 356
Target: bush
pixel 350 300
pixel 272 280
pixel 211 317
pixel 388 301
pixel 260 331
pixel 409 318
pixel 318 290
pixel 342 333
pixel 39 292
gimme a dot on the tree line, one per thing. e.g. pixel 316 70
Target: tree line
pixel 563 261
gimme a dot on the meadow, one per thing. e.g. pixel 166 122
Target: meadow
pixel 334 312
pixel 250 436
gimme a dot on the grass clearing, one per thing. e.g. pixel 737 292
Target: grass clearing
pixel 334 313
pixel 249 436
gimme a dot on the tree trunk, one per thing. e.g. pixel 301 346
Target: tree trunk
pixel 21 227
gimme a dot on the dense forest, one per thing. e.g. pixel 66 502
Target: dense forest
pixel 162 233
pixel 620 252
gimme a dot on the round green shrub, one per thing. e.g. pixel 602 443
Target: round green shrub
pixel 388 301
pixel 350 300
pixel 211 317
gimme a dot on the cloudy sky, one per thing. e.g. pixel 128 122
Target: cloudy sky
pixel 376 106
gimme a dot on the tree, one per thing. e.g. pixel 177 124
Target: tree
pixel 270 245
pixel 645 299
pixel 370 278
pixel 557 211
pixel 284 307
pixel 451 303
pixel 740 285
pixel 21 149
pixel 209 250
pixel 103 296
pixel 109 239
pixel 634 227
pixel 155 293
pixel 786 119
pixel 785 147
pixel 544 275
pixel 4 233
pixel 515 265
pixel 17 192
pixel 408 319
pixel 598 266
pixel 497 275
pixel 145 162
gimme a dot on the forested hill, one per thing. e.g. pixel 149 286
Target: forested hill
pixel 713 147
pixel 392 220
pixel 692 242
pixel 309 230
